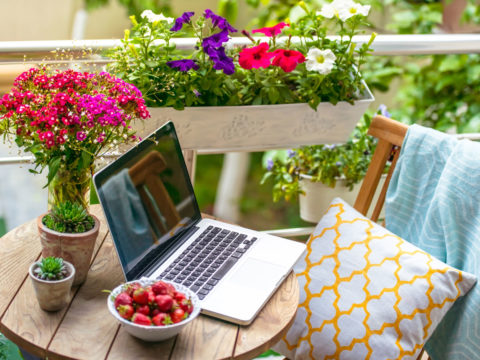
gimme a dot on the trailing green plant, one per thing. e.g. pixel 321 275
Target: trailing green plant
pixel 325 163
pixel 68 217
pixel 51 268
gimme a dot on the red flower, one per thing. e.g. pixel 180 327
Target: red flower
pixel 255 57
pixel 271 31
pixel 287 59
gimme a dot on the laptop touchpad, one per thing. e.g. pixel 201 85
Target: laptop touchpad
pixel 254 273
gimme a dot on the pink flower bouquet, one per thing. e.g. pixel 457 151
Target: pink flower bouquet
pixel 66 119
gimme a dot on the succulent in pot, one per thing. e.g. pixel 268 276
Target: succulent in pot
pixel 52 279
pixel 68 231
pixel 69 217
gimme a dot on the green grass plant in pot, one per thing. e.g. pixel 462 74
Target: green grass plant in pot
pixel 52 279
pixel 67 119
pixel 327 170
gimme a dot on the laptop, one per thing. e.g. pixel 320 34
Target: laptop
pixel 159 233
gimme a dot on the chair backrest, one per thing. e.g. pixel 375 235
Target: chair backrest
pixel 390 134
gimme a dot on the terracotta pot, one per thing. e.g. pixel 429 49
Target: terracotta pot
pixel 53 295
pixel 75 248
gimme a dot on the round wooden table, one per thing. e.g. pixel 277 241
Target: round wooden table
pixel 86 329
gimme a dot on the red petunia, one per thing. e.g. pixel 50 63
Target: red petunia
pixel 255 57
pixel 287 59
pixel 271 31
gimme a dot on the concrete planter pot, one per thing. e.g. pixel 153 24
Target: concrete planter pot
pixel 75 248
pixel 255 127
pixel 53 295
pixel 318 196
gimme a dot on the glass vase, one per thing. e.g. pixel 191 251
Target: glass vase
pixel 73 186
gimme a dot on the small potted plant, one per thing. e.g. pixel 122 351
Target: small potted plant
pixel 66 120
pixel 69 232
pixel 319 173
pixel 52 279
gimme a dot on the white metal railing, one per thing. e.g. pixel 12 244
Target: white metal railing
pixel 383 45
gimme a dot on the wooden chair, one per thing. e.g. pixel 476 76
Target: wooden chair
pixel 390 135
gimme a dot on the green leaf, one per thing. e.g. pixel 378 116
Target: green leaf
pixel 257 100
pixel 85 160
pixel 53 167
pixel 273 95
pixel 452 63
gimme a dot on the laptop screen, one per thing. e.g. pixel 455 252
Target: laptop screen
pixel 148 200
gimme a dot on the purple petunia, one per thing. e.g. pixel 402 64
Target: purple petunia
pixel 269 165
pixel 291 153
pixel 220 60
pixel 184 19
pixel 216 40
pixel 183 65
pixel 383 110
pixel 218 21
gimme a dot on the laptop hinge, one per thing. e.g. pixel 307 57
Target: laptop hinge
pixel 167 253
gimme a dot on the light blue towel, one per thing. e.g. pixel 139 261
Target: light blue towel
pixel 433 201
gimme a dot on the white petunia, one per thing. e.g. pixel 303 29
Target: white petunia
pixel 327 11
pixel 321 61
pixel 152 17
pixel 343 9
pixel 350 8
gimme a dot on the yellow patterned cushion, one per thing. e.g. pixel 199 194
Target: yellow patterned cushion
pixel 366 293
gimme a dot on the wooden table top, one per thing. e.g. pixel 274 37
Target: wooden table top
pixel 86 329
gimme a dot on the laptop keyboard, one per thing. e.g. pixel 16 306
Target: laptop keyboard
pixel 201 266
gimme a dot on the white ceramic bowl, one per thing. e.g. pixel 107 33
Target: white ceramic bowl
pixel 154 333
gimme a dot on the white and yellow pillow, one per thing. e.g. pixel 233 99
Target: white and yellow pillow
pixel 365 293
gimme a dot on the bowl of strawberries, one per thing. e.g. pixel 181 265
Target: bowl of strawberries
pixel 153 310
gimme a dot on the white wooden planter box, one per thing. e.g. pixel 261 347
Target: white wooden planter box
pixel 259 127
pixel 318 196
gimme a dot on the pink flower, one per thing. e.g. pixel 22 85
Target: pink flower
pixel 255 57
pixel 81 135
pixel 271 31
pixel 287 59
pixel 49 143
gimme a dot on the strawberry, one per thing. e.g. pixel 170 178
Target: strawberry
pixel 144 309
pixel 122 299
pixel 125 311
pixel 140 296
pixel 130 288
pixel 171 290
pixel 162 319
pixel 175 305
pixel 186 305
pixel 164 302
pixel 178 315
pixel 154 312
pixel 179 296
pixel 160 288
pixel 151 297
pixel 141 319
